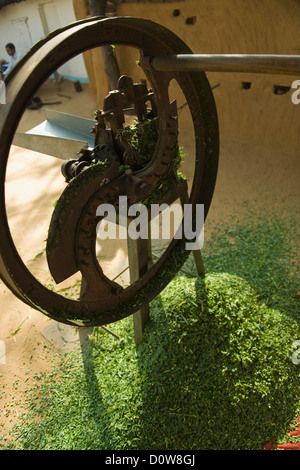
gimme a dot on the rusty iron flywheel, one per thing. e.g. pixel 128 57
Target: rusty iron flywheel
pixel 108 170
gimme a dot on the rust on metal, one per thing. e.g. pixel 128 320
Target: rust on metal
pixel 97 177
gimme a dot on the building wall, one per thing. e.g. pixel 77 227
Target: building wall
pixel 25 23
pixel 248 107
pixel 254 114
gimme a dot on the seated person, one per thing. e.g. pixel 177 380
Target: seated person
pixel 14 56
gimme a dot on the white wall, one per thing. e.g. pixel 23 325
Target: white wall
pixel 22 24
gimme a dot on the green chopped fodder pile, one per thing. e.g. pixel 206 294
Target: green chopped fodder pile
pixel 214 369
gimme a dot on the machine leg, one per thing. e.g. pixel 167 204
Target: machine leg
pixel 138 257
pixel 184 199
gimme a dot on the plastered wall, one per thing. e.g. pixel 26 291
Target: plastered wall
pixel 248 107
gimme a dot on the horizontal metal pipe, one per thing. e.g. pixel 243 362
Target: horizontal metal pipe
pixel 245 63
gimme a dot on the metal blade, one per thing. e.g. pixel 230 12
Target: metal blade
pixel 61 135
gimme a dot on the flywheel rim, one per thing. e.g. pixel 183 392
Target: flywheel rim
pixel 82 36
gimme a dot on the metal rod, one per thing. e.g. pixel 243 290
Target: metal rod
pixel 245 63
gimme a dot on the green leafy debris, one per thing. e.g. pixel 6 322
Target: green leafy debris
pixel 214 369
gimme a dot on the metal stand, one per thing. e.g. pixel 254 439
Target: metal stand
pixel 139 257
pixel 184 198
pixel 140 260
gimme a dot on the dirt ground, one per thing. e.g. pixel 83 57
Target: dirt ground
pixel 247 172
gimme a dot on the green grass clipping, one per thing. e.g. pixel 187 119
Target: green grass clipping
pixel 213 371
